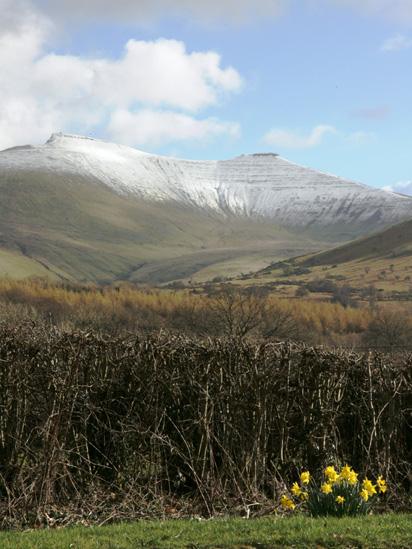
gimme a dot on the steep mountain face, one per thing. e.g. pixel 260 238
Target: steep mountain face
pixel 85 209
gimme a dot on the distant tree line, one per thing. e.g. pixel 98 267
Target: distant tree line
pixel 221 309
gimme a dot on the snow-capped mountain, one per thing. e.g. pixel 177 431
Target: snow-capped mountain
pixel 85 209
pixel 250 185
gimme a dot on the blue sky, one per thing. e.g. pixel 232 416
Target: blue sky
pixel 323 83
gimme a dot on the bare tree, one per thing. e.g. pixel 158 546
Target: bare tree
pixel 389 330
pixel 238 312
pixel 280 324
pixel 248 311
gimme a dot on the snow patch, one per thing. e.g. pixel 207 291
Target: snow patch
pixel 261 184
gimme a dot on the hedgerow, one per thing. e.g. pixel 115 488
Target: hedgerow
pixel 96 428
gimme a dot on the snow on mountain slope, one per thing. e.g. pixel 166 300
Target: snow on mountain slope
pixel 250 185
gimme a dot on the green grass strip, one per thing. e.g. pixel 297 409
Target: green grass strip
pixel 374 532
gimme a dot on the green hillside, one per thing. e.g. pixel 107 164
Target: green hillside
pixel 383 260
pixel 65 226
pixel 72 227
pixel 391 243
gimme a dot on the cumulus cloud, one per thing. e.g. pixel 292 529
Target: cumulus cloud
pixel 294 140
pixel 396 43
pixel 42 92
pixel 402 187
pixel 163 73
pixel 15 13
pixel 22 37
pixel 153 128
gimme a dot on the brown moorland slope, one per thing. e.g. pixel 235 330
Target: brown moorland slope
pixel 382 260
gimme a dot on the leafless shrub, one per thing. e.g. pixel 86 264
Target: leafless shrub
pixel 238 313
pixel 389 330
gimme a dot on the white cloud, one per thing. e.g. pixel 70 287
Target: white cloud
pixel 14 13
pixel 42 92
pixel 163 73
pixel 148 127
pixel 21 41
pixel 396 43
pixel 402 187
pixel 292 140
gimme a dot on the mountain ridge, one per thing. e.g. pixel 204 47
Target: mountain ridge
pixel 253 184
pixel 93 210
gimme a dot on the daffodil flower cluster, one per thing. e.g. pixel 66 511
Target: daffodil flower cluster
pixel 340 493
pixel 287 503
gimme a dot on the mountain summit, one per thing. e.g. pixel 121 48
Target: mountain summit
pixel 81 208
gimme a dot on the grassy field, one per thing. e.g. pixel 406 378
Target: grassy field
pixel 385 274
pixel 383 260
pixel 374 532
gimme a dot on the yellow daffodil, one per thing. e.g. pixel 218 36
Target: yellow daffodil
pixel 340 492
pixel 353 478
pixel 287 503
pixel 331 474
pixel 381 482
pixel 369 487
pixel 326 488
pixel 364 494
pixel 345 473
